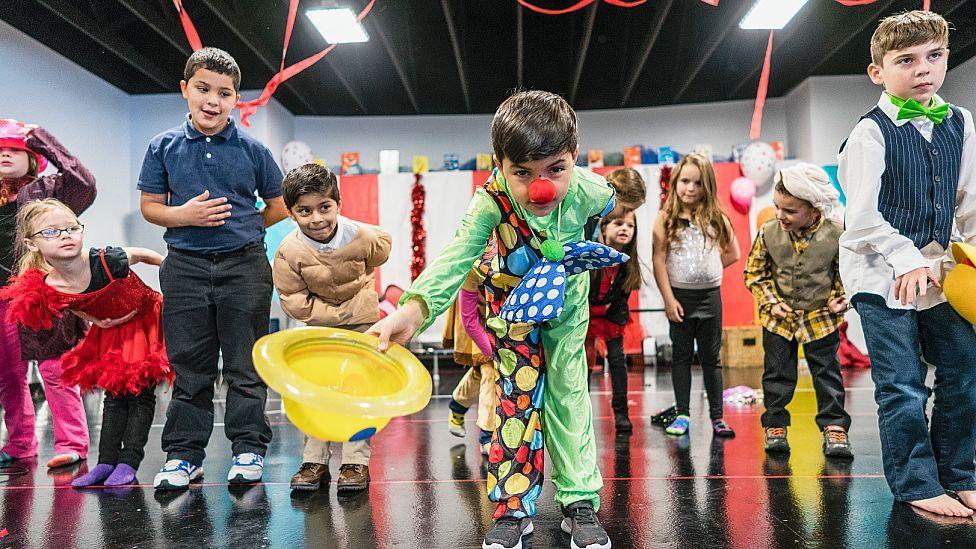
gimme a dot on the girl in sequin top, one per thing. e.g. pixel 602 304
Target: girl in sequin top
pixel 122 353
pixel 693 243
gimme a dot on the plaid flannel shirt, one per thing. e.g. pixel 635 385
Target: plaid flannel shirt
pixel 804 326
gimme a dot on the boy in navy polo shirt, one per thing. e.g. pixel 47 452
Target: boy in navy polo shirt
pixel 199 180
pixel 907 171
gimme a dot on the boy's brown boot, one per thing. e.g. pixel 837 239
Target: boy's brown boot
pixel 352 478
pixel 310 476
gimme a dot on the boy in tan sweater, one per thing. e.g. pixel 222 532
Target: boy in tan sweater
pixel 324 276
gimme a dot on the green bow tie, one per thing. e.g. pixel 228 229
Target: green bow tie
pixel 908 109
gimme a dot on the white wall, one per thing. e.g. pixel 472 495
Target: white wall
pixel 678 126
pixel 960 85
pixel 799 121
pixel 88 115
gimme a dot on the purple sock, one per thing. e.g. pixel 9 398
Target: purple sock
pixel 122 475
pixel 95 476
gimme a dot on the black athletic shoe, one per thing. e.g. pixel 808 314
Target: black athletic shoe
pixel 581 524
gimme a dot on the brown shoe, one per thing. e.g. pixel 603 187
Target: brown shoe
pixel 310 476
pixel 352 478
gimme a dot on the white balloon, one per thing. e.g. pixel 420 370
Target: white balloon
pixel 295 154
pixel 758 161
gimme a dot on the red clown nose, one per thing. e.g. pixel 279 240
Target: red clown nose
pixel 541 191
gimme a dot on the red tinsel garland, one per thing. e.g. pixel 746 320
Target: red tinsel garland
pixel 665 182
pixel 419 234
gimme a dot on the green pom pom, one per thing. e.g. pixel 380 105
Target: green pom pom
pixel 552 250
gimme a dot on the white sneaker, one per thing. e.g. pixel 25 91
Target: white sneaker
pixel 177 474
pixel 247 469
pixel 485 448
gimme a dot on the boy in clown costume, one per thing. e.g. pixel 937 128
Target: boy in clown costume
pixel 535 205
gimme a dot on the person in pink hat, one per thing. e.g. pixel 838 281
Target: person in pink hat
pixel 25 151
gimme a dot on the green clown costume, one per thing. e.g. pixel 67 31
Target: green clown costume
pixel 542 382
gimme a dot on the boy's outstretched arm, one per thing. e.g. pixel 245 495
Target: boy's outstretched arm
pixel 401 325
pixel 434 290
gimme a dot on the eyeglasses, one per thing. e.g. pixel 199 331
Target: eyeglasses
pixel 51 233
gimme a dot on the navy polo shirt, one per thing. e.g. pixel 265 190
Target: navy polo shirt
pixel 182 163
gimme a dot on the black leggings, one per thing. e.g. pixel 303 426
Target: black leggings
pixel 702 323
pixel 618 374
pixel 126 420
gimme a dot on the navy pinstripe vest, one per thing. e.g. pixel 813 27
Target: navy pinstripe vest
pixel 918 187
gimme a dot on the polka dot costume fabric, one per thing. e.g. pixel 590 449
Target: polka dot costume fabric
pixel 539 296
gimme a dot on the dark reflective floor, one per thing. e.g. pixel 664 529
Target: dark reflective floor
pixel 427 490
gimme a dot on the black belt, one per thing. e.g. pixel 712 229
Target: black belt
pixel 217 256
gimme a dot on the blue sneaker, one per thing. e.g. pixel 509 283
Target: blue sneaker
pixel 679 426
pixel 247 469
pixel 177 474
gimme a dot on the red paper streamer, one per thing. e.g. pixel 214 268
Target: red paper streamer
pixel 418 234
pixel 664 180
pixel 757 113
pixel 582 4
pixel 250 107
pixel 188 29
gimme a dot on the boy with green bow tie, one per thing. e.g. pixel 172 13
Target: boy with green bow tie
pixel 907 171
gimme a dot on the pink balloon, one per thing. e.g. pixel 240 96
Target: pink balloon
pixel 741 192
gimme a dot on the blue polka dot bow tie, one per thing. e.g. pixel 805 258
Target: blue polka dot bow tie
pixel 539 297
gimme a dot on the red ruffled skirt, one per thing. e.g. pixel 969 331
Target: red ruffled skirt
pixel 124 359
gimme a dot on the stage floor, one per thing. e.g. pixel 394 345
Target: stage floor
pixel 428 492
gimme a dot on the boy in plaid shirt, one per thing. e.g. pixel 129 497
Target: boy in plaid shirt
pixel 793 273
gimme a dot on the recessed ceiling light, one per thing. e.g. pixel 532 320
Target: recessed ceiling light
pixel 771 14
pixel 337 25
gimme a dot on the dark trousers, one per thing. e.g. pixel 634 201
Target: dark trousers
pixel 702 324
pixel 618 374
pixel 215 307
pixel 922 459
pixel 126 420
pixel 779 379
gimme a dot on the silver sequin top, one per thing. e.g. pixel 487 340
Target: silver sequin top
pixel 694 263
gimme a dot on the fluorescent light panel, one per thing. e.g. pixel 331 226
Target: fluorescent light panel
pixel 771 14
pixel 337 25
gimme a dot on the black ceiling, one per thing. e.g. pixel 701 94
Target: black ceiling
pixel 460 56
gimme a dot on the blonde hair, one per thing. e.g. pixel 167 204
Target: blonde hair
pixel 27 224
pixel 907 29
pixel 630 187
pixel 708 215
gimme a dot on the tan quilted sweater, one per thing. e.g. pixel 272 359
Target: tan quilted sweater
pixel 331 288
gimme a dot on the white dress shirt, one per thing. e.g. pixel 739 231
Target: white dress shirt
pixel 872 252
pixel 345 232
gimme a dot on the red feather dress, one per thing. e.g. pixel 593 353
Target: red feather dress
pixel 124 359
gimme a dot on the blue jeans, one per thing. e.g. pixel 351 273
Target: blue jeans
pixel 921 460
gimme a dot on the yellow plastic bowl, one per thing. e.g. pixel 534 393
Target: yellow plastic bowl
pixel 336 386
pixel 960 283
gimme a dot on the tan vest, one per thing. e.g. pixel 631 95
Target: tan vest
pixel 804 280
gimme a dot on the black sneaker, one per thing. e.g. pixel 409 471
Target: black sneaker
pixel 835 442
pixel 776 440
pixel 665 416
pixel 507 533
pixel 580 522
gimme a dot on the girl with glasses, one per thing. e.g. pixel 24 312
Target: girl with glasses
pixel 123 352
